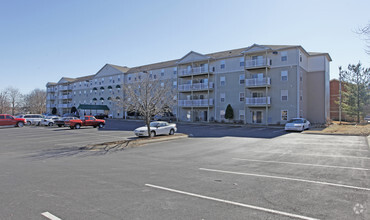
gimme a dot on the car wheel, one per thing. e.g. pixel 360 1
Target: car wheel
pixel 71 127
pixel 28 123
pixel 50 124
pixel 38 123
pixel 95 126
pixel 59 125
pixel 152 134
pixel 20 124
pixel 101 125
pixel 172 132
pixel 77 126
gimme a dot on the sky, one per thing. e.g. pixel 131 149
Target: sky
pixel 43 40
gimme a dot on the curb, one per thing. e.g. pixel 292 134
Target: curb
pixel 341 134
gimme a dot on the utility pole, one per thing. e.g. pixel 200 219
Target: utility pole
pixel 340 95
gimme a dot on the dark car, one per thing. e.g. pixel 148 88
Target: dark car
pixel 166 116
pixel 101 116
pixel 62 121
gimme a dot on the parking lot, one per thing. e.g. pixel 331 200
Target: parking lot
pixel 217 173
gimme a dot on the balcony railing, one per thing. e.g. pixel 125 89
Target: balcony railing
pixel 64 88
pixel 50 98
pixel 196 86
pixel 193 71
pixel 65 105
pixel 196 103
pixel 258 101
pixel 258 82
pixel 257 63
pixel 50 90
pixel 65 97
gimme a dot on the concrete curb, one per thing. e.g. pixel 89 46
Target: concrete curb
pixel 368 141
pixel 341 134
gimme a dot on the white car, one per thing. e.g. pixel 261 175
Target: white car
pixel 156 128
pixel 49 121
pixel 297 124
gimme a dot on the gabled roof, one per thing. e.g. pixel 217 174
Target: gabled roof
pixel 123 69
pixel 192 57
pixel 152 66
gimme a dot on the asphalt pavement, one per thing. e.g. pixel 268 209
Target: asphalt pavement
pixel 219 172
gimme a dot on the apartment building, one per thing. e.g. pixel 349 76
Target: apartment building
pixel 264 84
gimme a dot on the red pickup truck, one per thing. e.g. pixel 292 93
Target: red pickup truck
pixel 8 120
pixel 85 121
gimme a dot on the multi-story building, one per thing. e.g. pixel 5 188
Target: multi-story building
pixel 264 84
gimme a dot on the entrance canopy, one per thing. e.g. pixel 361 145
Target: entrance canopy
pixel 93 107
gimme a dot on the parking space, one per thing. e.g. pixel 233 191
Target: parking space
pixel 218 173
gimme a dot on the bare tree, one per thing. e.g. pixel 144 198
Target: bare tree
pixel 36 101
pixel 4 101
pixel 14 98
pixel 365 32
pixel 148 96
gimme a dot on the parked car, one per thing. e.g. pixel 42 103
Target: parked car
pixel 61 121
pixel 49 120
pixel 156 128
pixel 88 120
pixel 71 115
pixel 367 119
pixel 166 116
pixel 8 120
pixel 33 119
pixel 101 116
pixel 297 124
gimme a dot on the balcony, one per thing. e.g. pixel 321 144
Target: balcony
pixel 65 88
pixel 193 71
pixel 50 98
pixel 258 102
pixel 50 90
pixel 258 82
pixel 196 103
pixel 195 87
pixel 65 105
pixel 65 97
pixel 257 63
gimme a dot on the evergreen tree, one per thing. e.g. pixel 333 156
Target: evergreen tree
pixel 229 114
pixel 54 111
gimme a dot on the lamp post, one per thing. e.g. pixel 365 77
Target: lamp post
pixel 340 95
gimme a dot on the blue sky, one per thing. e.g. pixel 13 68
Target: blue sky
pixel 44 40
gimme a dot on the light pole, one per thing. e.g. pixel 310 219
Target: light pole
pixel 340 95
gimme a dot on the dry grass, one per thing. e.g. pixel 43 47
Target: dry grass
pixel 348 129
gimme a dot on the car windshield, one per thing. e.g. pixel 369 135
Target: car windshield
pixel 154 124
pixel 297 120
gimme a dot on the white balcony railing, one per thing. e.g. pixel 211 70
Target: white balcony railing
pixel 196 103
pixel 196 86
pixel 50 90
pixel 257 63
pixel 65 105
pixel 191 71
pixel 258 82
pixel 50 98
pixel 258 101
pixel 64 88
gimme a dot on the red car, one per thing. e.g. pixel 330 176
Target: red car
pixel 8 120
pixel 88 120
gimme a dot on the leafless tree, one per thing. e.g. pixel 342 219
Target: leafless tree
pixel 148 96
pixel 35 102
pixel 14 98
pixel 365 33
pixel 4 101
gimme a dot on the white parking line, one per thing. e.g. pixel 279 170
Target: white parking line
pixel 303 164
pixel 50 216
pixel 314 155
pixel 233 203
pixel 287 178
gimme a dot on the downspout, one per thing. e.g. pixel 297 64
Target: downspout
pixel 298 83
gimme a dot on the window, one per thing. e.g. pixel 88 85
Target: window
pixel 222 80
pixel 174 70
pixel 284 75
pixel 174 84
pixel 241 79
pixel 162 72
pixel 222 66
pixel 129 78
pixel 242 62
pixel 241 114
pixel 119 78
pixel 241 96
pixel 300 57
pixel 222 95
pixel 284 95
pixel 284 56
pixel 284 115
pixel 110 79
pixel 155 76
pixel 222 114
pixel 162 84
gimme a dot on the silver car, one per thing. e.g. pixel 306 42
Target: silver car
pixel 33 119
pixel 49 121
pixel 297 124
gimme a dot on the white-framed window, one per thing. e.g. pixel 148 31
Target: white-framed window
pixel 110 79
pixel 162 84
pixel 174 84
pixel 119 78
pixel 284 95
pixel 284 115
pixel 85 92
pixel 222 114
pixel 241 114
pixel 222 80
pixel 222 97
pixel 241 62
pixel 284 56
pixel 90 90
pixel 241 79
pixel 241 96
pixel 175 70
pixel 284 75
pixel 162 72
pixel 222 66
